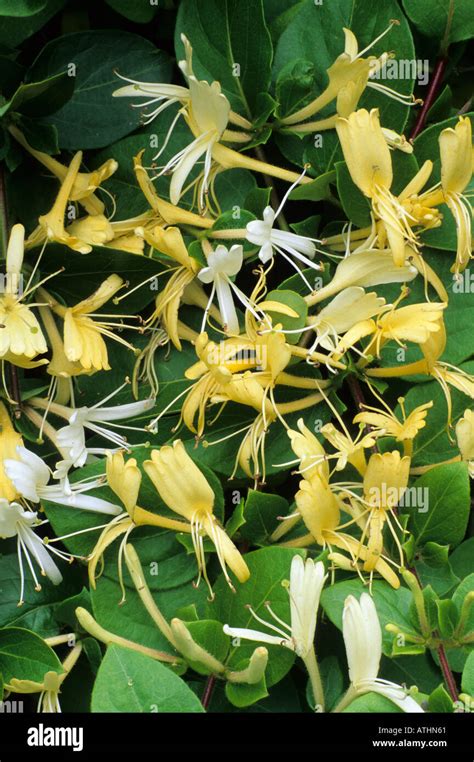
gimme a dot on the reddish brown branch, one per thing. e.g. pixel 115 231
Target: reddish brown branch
pixel 447 673
pixel 208 691
pixel 431 95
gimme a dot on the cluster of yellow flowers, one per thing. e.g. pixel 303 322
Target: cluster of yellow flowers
pixel 255 358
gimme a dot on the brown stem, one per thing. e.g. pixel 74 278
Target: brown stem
pixel 358 397
pixel 208 691
pixel 447 673
pixel 15 390
pixel 443 659
pixel 433 89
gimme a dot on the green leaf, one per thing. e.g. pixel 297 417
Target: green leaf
pixel 434 568
pixel 439 701
pixel 332 678
pixel 260 512
pixel 14 30
pixel 354 203
pixel 131 620
pixel 209 635
pixel 40 98
pixel 431 17
pixel 393 606
pixel 315 35
pixel 83 273
pixel 432 443
pixel 236 521
pixel 268 567
pixel 237 218
pixel 25 656
pixel 92 118
pixel 411 670
pixel 140 11
pixel 242 695
pixel 40 606
pixel 131 682
pixel 295 302
pixel 372 703
pixel 317 190
pixel 468 675
pixel 461 558
pixel 231 44
pixel 448 617
pixel 21 7
pixel 444 518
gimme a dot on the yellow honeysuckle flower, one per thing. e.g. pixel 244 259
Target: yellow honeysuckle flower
pixel 446 374
pixel 414 322
pixel 130 242
pixel 465 439
pixel 193 498
pixel 10 439
pixel 370 267
pixel 21 336
pixel 455 147
pixel 345 320
pixel 84 329
pixel 385 482
pixel 85 183
pixel 310 452
pixel 386 479
pixel 320 509
pixel 212 374
pixel 369 162
pixel 124 478
pixel 166 212
pixel 180 286
pixel 51 225
pixel 348 450
pixel 94 230
pixel 349 75
pixel 59 366
pixel 385 423
pixel 206 111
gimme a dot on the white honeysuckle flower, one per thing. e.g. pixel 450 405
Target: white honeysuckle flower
pixel 30 476
pixel 363 641
pixel 206 111
pixel 222 265
pixel 307 579
pixel 289 245
pixel 71 439
pixel 17 522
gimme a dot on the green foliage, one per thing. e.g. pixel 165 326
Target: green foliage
pixel 131 682
pixel 59 68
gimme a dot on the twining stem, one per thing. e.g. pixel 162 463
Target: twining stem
pixel 435 84
pixel 358 397
pixel 208 691
pixel 447 673
pixel 443 659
